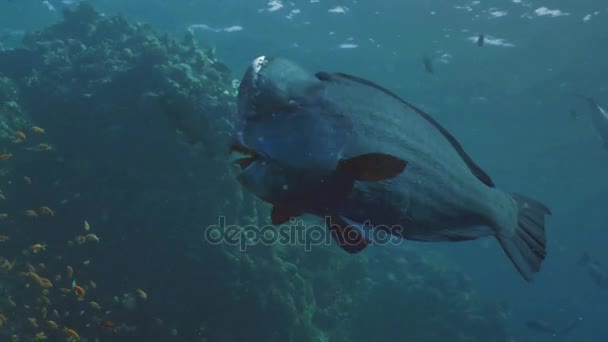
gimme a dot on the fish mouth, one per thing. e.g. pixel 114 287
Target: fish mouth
pixel 243 156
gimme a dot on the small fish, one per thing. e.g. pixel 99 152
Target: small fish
pixel 599 118
pixel 44 147
pixel 545 328
pixel 79 291
pixel 481 39
pixel 598 274
pixel 542 327
pixel 69 271
pixel 95 305
pixel 6 156
pixel 36 129
pixel 428 64
pixel 47 211
pixel 106 324
pixel 71 333
pixel 20 136
pixel 27 180
pixel 92 237
pixel 141 294
pixel 3 216
pixel 4 238
pixel 87 227
pixel 36 248
pixel 30 213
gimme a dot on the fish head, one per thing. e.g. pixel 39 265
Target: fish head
pixel 289 137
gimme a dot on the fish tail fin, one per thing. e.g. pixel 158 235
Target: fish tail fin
pixel 525 246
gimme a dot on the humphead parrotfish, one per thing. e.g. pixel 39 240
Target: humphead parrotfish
pixel 350 151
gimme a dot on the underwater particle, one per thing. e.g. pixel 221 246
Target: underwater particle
pixel 93 285
pixel 3 216
pixel 4 238
pixel 174 332
pixel 27 180
pixel 30 213
pixel 69 271
pixel 95 305
pixel 37 130
pixel 87 227
pixel 86 262
pixel 141 294
pixel 36 248
pixel 6 156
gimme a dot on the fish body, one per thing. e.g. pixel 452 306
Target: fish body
pixel 541 327
pixel 599 118
pixel 428 64
pixel 598 275
pixel 337 146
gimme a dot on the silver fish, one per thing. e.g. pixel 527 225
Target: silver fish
pixel 599 118
pixel 341 147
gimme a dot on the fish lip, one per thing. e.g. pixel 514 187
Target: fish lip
pixel 250 156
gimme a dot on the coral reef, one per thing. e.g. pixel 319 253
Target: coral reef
pixel 111 95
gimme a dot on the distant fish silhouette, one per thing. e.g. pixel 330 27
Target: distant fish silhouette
pixel 598 274
pixel 428 64
pixel 541 327
pixel 599 118
pixel 481 39
pixel 545 328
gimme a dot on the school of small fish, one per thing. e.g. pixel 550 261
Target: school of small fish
pixel 49 289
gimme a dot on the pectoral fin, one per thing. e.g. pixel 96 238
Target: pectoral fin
pixel 280 215
pixel 349 237
pixel 372 167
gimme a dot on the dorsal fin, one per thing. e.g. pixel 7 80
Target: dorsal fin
pixel 475 169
